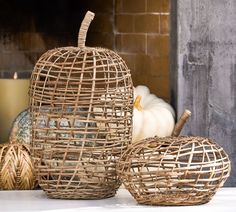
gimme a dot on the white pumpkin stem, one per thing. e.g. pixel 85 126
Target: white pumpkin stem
pixel 180 123
pixel 137 103
pixel 84 28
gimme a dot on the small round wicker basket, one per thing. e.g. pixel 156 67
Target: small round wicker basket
pixel 174 170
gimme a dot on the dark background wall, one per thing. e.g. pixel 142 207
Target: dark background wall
pixel 203 70
pixel 29 28
pixel 137 29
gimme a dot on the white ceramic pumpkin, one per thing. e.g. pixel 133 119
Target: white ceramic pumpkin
pixel 152 116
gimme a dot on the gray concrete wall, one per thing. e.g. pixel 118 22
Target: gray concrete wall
pixel 203 70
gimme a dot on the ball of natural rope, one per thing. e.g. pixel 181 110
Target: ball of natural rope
pixel 16 168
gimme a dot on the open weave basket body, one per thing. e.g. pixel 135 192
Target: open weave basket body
pixel 174 170
pixel 81 111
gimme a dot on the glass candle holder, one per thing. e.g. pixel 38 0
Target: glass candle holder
pixel 14 98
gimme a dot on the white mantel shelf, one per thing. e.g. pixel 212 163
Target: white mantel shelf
pixel 223 201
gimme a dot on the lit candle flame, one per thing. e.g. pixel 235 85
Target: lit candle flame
pixel 15 75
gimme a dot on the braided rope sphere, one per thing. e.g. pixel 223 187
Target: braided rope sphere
pixel 81 103
pixel 174 170
pixel 16 167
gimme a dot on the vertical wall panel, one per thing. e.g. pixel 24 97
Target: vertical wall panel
pixel 204 33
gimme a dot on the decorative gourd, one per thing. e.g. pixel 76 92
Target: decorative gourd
pixel 16 168
pixel 152 116
pixel 77 159
pixel 21 128
pixel 64 124
pixel 174 170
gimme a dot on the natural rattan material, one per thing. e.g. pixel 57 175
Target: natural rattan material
pixel 181 122
pixel 16 167
pixel 81 111
pixel 174 170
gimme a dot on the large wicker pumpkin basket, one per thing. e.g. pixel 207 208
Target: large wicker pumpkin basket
pixel 81 102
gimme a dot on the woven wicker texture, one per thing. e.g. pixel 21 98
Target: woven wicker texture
pixel 174 170
pixel 81 111
pixel 16 167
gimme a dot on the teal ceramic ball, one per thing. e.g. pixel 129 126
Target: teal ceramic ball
pixel 21 128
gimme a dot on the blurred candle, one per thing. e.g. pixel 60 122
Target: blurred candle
pixel 13 99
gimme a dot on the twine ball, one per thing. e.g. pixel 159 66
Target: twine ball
pixel 174 170
pixel 16 168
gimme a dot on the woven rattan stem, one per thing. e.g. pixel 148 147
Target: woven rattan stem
pixel 180 123
pixel 84 28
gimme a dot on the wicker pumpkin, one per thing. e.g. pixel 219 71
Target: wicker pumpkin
pixel 16 167
pixel 174 170
pixel 90 86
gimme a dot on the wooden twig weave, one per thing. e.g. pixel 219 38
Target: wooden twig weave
pixel 81 111
pixel 174 170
